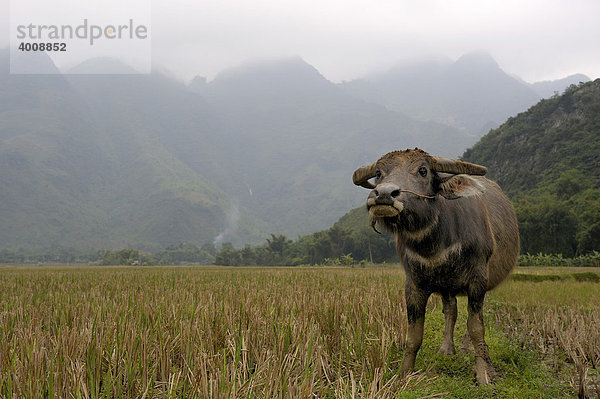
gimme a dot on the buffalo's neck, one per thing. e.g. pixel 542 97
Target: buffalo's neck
pixel 439 236
pixel 428 243
pixel 443 248
pixel 420 232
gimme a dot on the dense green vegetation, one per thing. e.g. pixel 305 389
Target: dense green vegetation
pixel 589 259
pixel 547 159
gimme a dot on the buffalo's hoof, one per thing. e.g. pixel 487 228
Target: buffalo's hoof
pixel 485 373
pixel 447 350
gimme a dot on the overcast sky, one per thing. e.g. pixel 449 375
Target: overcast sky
pixel 346 39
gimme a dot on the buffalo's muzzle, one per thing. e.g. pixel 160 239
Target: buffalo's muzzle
pixel 385 194
pixel 383 202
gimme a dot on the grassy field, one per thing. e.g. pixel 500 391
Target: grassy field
pixel 215 332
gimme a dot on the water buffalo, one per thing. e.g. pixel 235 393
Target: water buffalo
pixel 456 233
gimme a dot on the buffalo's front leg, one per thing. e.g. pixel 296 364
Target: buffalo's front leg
pixel 450 313
pixel 484 371
pixel 416 302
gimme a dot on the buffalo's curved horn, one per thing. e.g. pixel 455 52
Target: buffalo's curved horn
pixel 361 176
pixel 445 165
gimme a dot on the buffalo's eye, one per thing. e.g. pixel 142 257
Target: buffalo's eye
pixel 378 174
pixel 423 171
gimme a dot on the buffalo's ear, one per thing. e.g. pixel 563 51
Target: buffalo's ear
pixel 457 186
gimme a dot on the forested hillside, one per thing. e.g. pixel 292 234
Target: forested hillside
pixel 548 160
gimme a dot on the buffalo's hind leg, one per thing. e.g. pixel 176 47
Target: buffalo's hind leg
pixel 416 303
pixel 450 313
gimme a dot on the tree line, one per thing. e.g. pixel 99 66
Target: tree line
pixel 337 245
pixel 176 254
pixel 560 218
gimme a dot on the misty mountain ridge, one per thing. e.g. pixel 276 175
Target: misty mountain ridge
pixel 549 88
pixel 301 133
pixel 472 94
pixel 145 161
pixel 101 65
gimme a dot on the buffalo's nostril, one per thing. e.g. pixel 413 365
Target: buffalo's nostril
pixel 385 193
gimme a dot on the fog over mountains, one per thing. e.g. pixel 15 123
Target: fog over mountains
pixel 472 94
pixel 111 161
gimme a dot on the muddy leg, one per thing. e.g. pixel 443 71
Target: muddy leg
pixel 484 371
pixel 416 302
pixel 450 312
pixel 467 345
